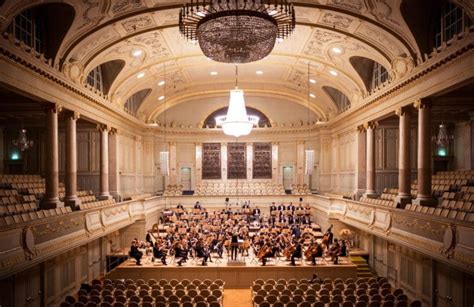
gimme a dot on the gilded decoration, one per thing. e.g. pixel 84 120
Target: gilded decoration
pixel 432 230
pixel 28 240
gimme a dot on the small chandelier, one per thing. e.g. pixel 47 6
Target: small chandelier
pixel 22 141
pixel 237 122
pixel 442 140
pixel 237 31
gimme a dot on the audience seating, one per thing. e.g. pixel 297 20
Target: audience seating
pixel 173 190
pixel 300 189
pixel 333 293
pixel 135 293
pixel 245 188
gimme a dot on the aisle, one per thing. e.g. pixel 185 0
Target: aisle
pixel 237 298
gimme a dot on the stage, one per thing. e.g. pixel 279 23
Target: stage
pixel 235 276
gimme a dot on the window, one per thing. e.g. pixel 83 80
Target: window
pixel 379 75
pixel 133 102
pixel 341 101
pixel 451 21
pixel 94 78
pixel 29 28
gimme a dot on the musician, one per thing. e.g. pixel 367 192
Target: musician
pixel 296 231
pixel 180 252
pixel 149 237
pixel 291 208
pixel 197 205
pixel 256 212
pixel 267 250
pixel 273 207
pixel 159 252
pixel 234 244
pixel 317 251
pixel 201 252
pixel 343 249
pixel 297 253
pixel 134 252
pixel 335 251
pixel 281 207
pixel 330 234
pixel 180 206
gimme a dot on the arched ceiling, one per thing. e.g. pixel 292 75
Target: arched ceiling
pixel 110 30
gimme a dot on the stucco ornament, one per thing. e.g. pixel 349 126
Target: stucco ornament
pixel 28 243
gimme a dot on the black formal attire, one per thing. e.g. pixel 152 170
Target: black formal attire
pixel 159 254
pixel 136 254
pixel 234 247
pixel 296 254
pixel 202 253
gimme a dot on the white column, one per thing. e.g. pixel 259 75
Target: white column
pixel 70 179
pixel 104 162
pixel 51 197
pixel 300 162
pixel 361 160
pixel 173 164
pixel 114 177
pixel 370 167
pixel 224 161
pixel 424 196
pixel 198 148
pixel 275 163
pixel 249 161
pixel 404 169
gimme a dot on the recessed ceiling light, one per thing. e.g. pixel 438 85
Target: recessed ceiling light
pixel 161 98
pixel 259 72
pixel 194 41
pixel 141 75
pixel 312 81
pixel 137 53
pixel 333 72
pixel 280 40
pixel 161 83
pixel 201 13
pixel 336 50
pixel 312 95
pixel 272 12
pixel 213 73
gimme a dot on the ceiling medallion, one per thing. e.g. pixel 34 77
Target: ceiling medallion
pixel 237 31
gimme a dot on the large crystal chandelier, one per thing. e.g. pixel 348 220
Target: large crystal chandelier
pixel 22 141
pixel 237 31
pixel 237 123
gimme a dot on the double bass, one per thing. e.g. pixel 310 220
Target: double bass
pixel 263 251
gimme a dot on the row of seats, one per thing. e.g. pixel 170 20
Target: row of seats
pixel 463 205
pixel 173 190
pixel 246 188
pixel 333 293
pixel 466 196
pixel 173 293
pixel 31 216
pixel 300 189
pixel 96 204
pixel 378 201
pixel 6 179
pixel 443 212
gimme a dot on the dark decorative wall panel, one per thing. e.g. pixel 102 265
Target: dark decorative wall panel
pixel 262 161
pixel 211 161
pixel 236 161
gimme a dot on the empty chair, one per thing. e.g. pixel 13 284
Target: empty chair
pixel 388 304
pixel 401 304
pixel 415 303
pixel 361 304
pixel 375 304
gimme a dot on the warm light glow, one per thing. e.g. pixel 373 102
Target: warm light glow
pixel 140 75
pixel 280 40
pixel 161 83
pixel 312 81
pixel 161 98
pixel 333 72
pixel 213 73
pixel 259 72
pixel 336 50
pixel 309 165
pixel 137 53
pixel 201 13
pixel 312 95
pixel 237 123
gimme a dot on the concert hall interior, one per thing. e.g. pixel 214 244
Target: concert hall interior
pixel 273 153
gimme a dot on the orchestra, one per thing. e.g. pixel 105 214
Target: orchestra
pixel 197 234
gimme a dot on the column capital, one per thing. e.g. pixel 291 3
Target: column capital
pixel 401 111
pixel 113 131
pixel 72 115
pixel 422 103
pixel 370 125
pixel 275 143
pixel 249 143
pixel 102 127
pixel 360 128
pixel 198 144
pixel 52 108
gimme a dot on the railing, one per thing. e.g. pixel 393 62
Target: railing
pixel 444 239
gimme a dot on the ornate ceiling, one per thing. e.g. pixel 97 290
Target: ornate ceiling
pixel 109 30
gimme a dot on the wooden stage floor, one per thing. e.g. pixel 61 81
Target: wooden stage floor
pixel 235 276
